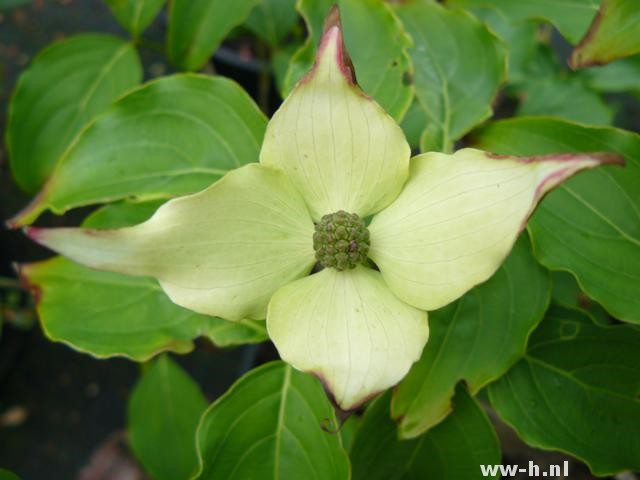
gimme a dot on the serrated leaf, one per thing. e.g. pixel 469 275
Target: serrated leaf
pixel 163 413
pixel 576 390
pixel 269 425
pixel 450 50
pixel 614 33
pixel 453 450
pixel 108 314
pixel 381 61
pixel 135 15
pixel 570 17
pixel 475 339
pixel 171 136
pixel 273 20
pixel 590 225
pixel 197 27
pixel 67 85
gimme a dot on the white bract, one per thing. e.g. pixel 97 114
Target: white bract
pixel 243 247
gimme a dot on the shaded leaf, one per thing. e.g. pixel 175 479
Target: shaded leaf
pixel 475 339
pixel 570 17
pixel 107 314
pixel 174 136
pixel 67 85
pixel 273 20
pixel 453 450
pixel 576 390
pixel 135 15
pixel 567 98
pixel 381 61
pixel 269 425
pixel 614 33
pixel 163 413
pixel 197 27
pixel 577 228
pixel 619 76
pixel 459 66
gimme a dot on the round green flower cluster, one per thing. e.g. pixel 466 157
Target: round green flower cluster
pixel 341 240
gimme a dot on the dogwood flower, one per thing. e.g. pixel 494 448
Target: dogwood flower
pixel 245 247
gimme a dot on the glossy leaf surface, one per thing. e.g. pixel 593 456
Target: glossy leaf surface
pixel 577 228
pixel 68 84
pixel 459 66
pixel 163 413
pixel 175 135
pixel 269 426
pixel 475 339
pixel 453 450
pixel 576 390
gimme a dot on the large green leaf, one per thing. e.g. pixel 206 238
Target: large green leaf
pixel 67 85
pixel 163 413
pixel 459 64
pixel 197 27
pixel 383 66
pixel 519 37
pixel 107 314
pixel 273 20
pixel 453 450
pixel 576 390
pixel 614 33
pixel 172 136
pixel 567 98
pixel 590 225
pixel 570 17
pixel 475 339
pixel 271 424
pixel 135 15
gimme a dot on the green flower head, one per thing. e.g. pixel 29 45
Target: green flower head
pixel 246 246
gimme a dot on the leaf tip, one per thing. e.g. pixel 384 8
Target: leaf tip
pixel 332 42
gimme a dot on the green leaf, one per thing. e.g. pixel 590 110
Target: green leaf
pixel 6 5
pixel 135 15
pixel 614 33
pixel 570 17
pixel 475 339
pixel 381 61
pixel 590 225
pixel 414 124
pixel 619 76
pixel 171 136
pixel 271 424
pixel 566 292
pixel 576 390
pixel 163 413
pixel 68 84
pixel 567 98
pixel 273 20
pixel 6 474
pixel 108 314
pixel 460 65
pixel 197 27
pixel 453 450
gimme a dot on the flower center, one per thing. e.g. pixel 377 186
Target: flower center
pixel 341 240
